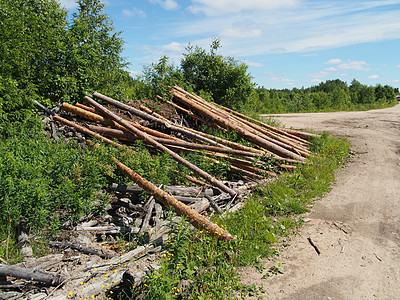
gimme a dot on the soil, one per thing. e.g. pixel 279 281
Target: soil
pixel 356 226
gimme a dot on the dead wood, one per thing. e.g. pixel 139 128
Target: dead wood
pixel 151 118
pixel 302 134
pixel 156 144
pixel 262 124
pixel 86 131
pixel 81 248
pixel 31 274
pixel 197 220
pixel 226 123
pixel 150 206
pixel 314 245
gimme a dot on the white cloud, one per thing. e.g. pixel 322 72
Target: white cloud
pixel 398 66
pixel 354 65
pixel 134 12
pixel 174 48
pixel 223 7
pixel 333 61
pixel 288 81
pixel 373 77
pixel 340 65
pixel 135 73
pixel 253 64
pixel 240 34
pixel 166 4
pixel 289 26
pixel 316 80
pixel 68 4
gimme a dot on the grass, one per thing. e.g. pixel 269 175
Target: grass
pixel 197 266
pixel 46 183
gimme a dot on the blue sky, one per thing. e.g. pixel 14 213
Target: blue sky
pixel 285 43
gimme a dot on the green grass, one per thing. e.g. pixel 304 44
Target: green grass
pixel 197 266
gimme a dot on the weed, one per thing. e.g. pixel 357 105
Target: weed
pixel 197 266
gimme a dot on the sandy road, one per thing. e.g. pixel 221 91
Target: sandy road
pixel 356 226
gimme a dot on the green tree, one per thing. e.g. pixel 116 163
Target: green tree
pixel 224 78
pixel 340 99
pixel 32 34
pixel 94 61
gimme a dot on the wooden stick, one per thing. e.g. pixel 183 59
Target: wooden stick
pixel 234 126
pixel 31 274
pixel 197 220
pixel 156 144
pixel 314 246
pixel 81 248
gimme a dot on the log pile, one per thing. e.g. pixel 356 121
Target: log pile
pixel 85 257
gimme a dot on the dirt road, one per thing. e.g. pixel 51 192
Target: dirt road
pixel 356 226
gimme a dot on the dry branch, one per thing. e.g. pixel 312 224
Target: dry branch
pixel 197 220
pixel 31 274
pixel 156 144
pixel 226 123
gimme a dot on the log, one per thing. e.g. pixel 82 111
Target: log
pixel 286 142
pixel 81 248
pixel 150 206
pixel 250 127
pixel 89 115
pixel 197 220
pixel 86 131
pixel 151 112
pixel 234 126
pixel 187 191
pixel 301 134
pixel 31 274
pixel 156 144
pixel 206 147
pixel 129 137
pixel 272 128
pixel 151 118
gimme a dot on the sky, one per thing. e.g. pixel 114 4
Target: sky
pixel 285 43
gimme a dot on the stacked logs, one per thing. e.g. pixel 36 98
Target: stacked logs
pixel 271 139
pixel 286 148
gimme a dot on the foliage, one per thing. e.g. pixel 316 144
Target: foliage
pixel 197 266
pixel 94 58
pixel 53 60
pixel 33 35
pixel 224 78
pixel 331 95
pixel 46 183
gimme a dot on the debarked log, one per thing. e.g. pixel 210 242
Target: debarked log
pixel 197 220
pixel 234 126
pixel 151 118
pixel 156 144
pixel 31 274
pixel 81 248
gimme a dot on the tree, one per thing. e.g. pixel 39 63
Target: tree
pixel 32 34
pixel 95 62
pixel 224 78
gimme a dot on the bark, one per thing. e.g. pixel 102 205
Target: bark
pixel 95 117
pixel 197 220
pixel 303 135
pixel 151 118
pixel 272 128
pixel 156 144
pixel 234 126
pixel 31 274
pixel 81 248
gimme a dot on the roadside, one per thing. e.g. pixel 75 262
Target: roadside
pixel 356 226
